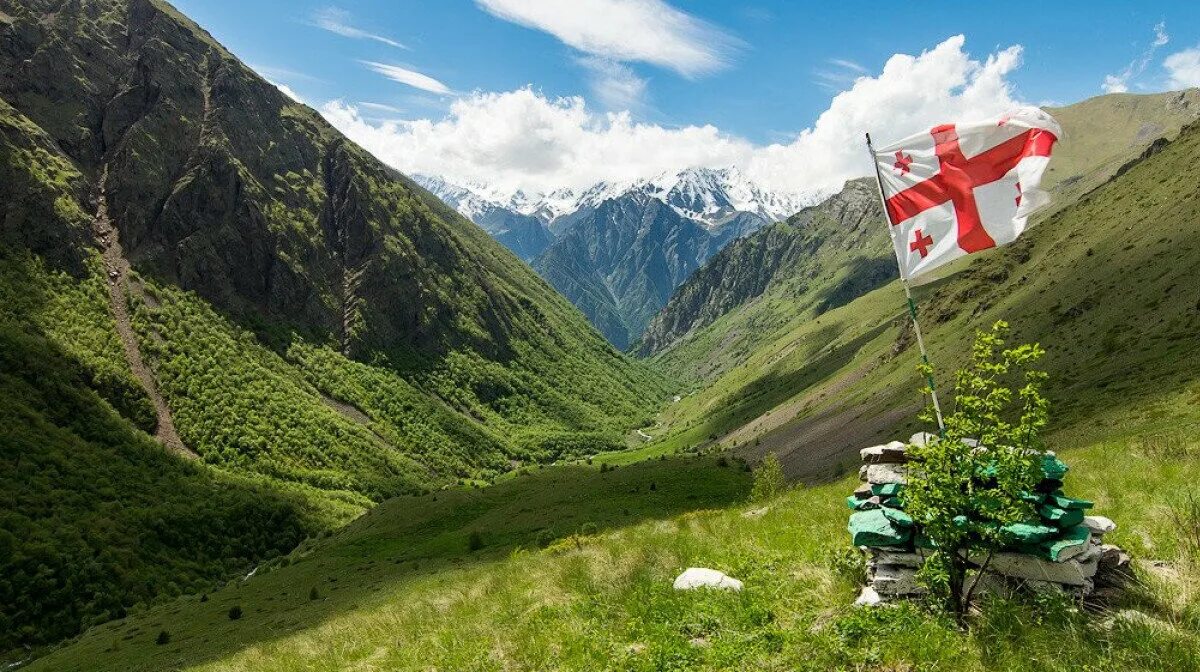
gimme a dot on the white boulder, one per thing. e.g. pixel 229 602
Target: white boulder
pixel 702 577
pixel 868 598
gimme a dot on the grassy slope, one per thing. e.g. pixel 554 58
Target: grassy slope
pixel 399 590
pixel 1105 280
pixel 1102 134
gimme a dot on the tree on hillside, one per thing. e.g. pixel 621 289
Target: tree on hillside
pixel 967 486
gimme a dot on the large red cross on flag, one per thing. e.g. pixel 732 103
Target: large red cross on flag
pixel 962 188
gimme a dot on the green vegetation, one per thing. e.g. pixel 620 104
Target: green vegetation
pixel 401 590
pixel 97 518
pixel 322 333
pixel 968 485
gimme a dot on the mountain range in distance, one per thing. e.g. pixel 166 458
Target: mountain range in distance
pixel 618 250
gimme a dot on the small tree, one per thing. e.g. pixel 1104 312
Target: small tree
pixel 965 486
pixel 768 479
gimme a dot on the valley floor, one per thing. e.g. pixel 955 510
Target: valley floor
pixel 401 588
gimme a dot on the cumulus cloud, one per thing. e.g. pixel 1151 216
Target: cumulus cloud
pixel 523 139
pixel 337 21
pixel 649 31
pixel 408 77
pixel 1183 68
pixel 1119 82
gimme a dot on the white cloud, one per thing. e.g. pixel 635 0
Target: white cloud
pixel 522 139
pixel 1115 84
pixel 380 107
pixel 337 21
pixel 648 31
pixel 1119 82
pixel 1183 68
pixel 288 91
pixel 411 78
pixel 615 85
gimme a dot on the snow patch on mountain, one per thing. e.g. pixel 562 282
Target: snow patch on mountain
pixel 709 196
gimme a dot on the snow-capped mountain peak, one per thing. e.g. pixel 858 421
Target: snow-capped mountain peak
pixel 709 196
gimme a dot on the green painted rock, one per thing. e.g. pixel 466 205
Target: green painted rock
pixel 887 489
pixel 1029 533
pixel 1064 502
pixel 1073 543
pixel 898 517
pixel 1053 468
pixel 873 528
pixel 1061 518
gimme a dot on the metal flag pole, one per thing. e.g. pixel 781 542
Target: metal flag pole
pixel 912 306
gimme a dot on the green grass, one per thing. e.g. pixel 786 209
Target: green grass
pixel 399 589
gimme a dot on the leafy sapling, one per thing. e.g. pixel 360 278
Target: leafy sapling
pixel 967 486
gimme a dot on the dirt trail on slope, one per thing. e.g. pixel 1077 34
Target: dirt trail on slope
pixel 116 266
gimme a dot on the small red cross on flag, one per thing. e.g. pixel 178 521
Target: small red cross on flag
pixel 949 192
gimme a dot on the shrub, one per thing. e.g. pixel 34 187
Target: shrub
pixel 163 638
pixel 235 612
pixel 768 479
pixel 314 594
pixel 964 487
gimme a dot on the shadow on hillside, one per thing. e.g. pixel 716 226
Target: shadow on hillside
pixel 406 540
pixel 862 275
pixel 774 388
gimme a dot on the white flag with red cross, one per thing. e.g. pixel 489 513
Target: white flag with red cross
pixel 963 188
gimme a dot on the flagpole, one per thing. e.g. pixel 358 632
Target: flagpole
pixel 912 305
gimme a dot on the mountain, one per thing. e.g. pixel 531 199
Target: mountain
pixel 1103 277
pixel 456 580
pixel 511 221
pixel 187 254
pixel 617 249
pixel 826 255
pixel 835 246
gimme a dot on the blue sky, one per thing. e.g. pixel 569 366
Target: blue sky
pixel 754 74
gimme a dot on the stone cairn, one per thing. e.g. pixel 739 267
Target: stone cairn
pixel 1062 550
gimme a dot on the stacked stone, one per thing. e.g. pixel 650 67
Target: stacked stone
pixel 1063 549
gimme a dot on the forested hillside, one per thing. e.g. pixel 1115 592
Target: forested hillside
pixel 187 253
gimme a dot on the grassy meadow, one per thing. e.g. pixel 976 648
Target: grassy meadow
pixel 571 569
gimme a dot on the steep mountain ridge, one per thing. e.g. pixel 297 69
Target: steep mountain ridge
pixel 191 249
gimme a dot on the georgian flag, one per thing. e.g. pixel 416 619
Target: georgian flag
pixel 962 188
